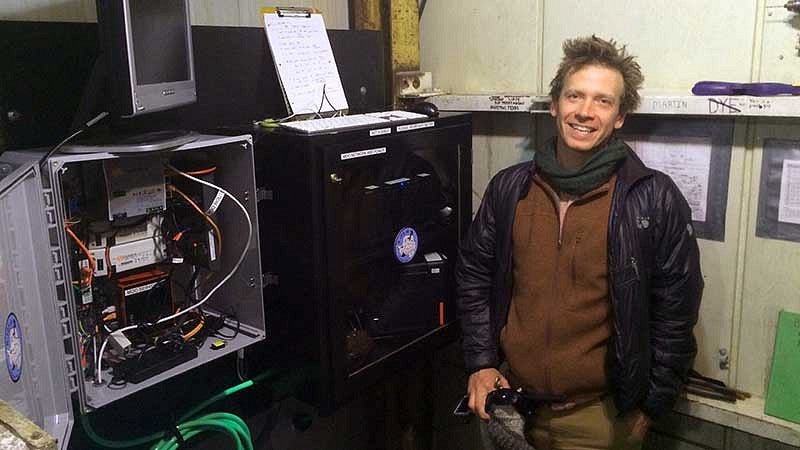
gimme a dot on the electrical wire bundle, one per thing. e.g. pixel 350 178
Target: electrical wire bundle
pixel 197 305
pixel 185 325
pixel 189 425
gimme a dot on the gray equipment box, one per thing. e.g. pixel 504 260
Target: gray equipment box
pixel 39 305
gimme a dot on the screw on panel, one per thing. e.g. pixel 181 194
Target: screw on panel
pixel 252 282
pixel 724 360
pixel 246 195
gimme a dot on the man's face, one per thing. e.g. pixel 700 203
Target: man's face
pixel 587 112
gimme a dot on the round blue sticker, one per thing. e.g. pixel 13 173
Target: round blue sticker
pixel 405 245
pixel 13 347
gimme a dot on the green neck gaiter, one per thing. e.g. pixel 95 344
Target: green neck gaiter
pixel 596 171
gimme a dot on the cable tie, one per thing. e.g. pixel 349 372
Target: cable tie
pixel 174 431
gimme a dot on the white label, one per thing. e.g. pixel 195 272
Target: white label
pixel 380 131
pixel 363 153
pixel 86 296
pixel 435 270
pixel 212 249
pixel 414 126
pixel 507 103
pixel 215 204
pixel 433 257
pixel 397 180
pixel 99 262
pixel 133 255
pixel 130 261
pixel 138 289
pixel 371 187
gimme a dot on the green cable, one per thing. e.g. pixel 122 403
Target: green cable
pixel 219 422
pixel 239 423
pixel 227 392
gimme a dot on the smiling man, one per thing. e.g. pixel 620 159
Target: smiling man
pixel 581 271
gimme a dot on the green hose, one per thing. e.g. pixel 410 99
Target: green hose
pixel 227 423
pixel 218 422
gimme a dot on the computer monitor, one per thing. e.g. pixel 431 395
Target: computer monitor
pixel 147 46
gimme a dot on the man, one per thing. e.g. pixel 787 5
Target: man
pixel 581 268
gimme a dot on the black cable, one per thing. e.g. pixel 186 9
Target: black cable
pixel 223 336
pixel 327 99
pixel 190 288
pixel 321 101
pixel 58 146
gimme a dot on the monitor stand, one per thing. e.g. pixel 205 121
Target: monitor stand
pixel 153 141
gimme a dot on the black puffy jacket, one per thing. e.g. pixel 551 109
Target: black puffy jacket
pixel 654 281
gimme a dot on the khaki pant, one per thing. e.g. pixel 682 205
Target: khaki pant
pixel 594 425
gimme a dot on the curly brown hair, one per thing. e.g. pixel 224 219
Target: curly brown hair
pixel 584 51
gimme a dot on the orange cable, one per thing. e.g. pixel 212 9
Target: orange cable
pixel 204 171
pixel 194 331
pixel 203 213
pixel 85 250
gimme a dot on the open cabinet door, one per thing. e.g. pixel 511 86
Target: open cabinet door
pixel 32 303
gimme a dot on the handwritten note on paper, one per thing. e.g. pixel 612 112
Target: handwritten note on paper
pixel 686 160
pixel 304 62
pixel 789 202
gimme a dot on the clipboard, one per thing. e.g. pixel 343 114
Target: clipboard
pixel 304 61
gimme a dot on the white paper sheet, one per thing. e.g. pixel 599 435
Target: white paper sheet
pixel 789 203
pixel 304 62
pixel 686 160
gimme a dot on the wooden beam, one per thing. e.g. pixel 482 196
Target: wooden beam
pixel 366 15
pixel 17 430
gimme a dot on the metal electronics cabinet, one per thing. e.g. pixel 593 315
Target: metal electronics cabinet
pixel 38 306
pixel 362 228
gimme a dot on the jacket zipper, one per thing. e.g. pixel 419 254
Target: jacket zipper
pixel 561 221
pixel 548 324
pixel 548 320
pixel 633 262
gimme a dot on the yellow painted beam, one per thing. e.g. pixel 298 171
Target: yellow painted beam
pixel 404 26
pixel 366 15
pixel 399 20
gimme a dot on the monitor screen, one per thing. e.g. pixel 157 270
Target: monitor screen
pixel 160 46
pixel 148 46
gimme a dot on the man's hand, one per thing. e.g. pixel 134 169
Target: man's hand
pixel 479 385
pixel 640 423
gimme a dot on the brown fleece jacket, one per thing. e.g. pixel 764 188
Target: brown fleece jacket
pixel 559 322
